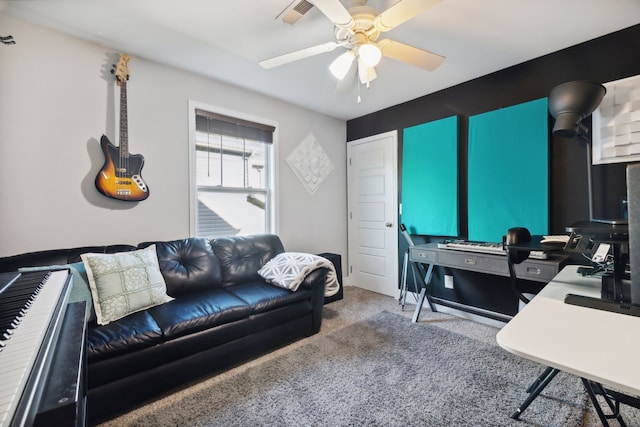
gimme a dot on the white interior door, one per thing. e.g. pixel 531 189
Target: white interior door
pixel 373 212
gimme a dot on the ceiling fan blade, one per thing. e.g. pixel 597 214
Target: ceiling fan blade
pixel 345 84
pixel 411 55
pixel 335 11
pixel 401 12
pixel 298 54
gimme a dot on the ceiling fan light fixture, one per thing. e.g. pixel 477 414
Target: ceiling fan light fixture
pixel 340 66
pixel 366 74
pixel 370 54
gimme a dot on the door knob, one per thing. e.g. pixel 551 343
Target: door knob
pixel 388 224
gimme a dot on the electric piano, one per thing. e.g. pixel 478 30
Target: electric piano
pixel 40 383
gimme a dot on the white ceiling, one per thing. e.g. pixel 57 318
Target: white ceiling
pixel 226 39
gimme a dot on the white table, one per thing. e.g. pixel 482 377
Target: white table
pixel 597 345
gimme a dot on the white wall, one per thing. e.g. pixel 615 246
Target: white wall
pixel 57 97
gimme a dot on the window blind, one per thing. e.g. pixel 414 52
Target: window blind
pixel 209 122
pixel 232 164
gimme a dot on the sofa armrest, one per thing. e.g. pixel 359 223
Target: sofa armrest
pixel 315 281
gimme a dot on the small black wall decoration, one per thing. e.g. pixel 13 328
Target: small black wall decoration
pixel 8 40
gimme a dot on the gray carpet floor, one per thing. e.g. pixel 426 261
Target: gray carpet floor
pixel 364 399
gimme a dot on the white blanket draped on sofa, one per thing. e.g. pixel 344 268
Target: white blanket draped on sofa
pixel 288 270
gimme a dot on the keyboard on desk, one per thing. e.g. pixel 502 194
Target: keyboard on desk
pixel 484 247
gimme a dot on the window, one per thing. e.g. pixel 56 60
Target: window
pixel 231 175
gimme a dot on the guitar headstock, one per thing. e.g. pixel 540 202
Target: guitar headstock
pixel 121 70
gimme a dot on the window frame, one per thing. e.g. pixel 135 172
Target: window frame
pixel 270 175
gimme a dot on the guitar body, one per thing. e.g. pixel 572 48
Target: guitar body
pixel 120 178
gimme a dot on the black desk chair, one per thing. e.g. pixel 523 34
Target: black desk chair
pixel 517 252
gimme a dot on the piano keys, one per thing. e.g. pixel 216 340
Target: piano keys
pixel 32 308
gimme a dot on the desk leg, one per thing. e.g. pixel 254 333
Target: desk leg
pixel 539 379
pixel 593 388
pixel 535 389
pixel 423 294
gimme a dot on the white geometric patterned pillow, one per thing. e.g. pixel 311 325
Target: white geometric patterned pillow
pixel 288 270
pixel 125 282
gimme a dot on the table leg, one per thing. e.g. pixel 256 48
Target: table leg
pixel 424 294
pixel 535 389
pixel 546 372
pixel 404 286
pixel 592 388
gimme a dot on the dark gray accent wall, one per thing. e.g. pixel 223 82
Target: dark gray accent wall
pixel 611 57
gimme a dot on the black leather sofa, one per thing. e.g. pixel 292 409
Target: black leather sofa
pixel 223 313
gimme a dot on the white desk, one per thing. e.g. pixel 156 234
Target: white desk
pixel 600 346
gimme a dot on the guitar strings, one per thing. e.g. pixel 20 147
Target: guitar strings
pixel 123 171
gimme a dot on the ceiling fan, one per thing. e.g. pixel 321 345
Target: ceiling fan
pixel 358 29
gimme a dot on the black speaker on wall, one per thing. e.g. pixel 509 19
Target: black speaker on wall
pixel 633 197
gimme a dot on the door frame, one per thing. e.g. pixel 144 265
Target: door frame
pixel 351 248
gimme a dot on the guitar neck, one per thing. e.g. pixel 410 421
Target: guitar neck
pixel 124 138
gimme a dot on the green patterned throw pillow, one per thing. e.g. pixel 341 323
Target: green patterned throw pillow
pixel 125 282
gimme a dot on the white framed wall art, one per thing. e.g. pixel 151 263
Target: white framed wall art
pixel 616 123
pixel 310 163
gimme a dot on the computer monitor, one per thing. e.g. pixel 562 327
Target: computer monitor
pixel 618 294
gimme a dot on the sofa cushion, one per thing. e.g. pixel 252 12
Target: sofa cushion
pixel 134 332
pixel 124 283
pixel 242 256
pixel 197 311
pixel 263 297
pixel 187 265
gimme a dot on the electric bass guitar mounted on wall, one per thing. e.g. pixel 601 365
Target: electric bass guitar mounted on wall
pixel 120 177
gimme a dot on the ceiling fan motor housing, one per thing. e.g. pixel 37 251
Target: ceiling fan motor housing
pixel 363 29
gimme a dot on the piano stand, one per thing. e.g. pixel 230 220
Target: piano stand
pixel 43 351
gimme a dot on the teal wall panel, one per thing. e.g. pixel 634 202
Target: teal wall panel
pixel 508 171
pixel 430 178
